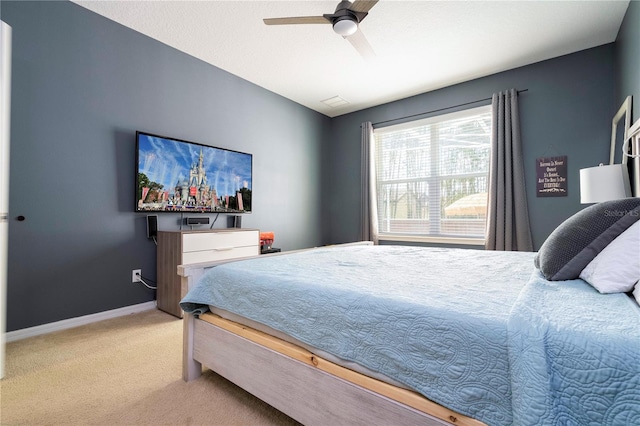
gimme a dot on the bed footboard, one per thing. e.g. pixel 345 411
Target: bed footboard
pixel 308 388
pixel 302 391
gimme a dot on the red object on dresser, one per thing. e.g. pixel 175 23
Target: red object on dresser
pixel 266 239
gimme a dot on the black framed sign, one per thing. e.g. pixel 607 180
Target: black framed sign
pixel 551 176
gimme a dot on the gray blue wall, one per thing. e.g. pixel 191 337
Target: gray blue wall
pixel 628 68
pixel 82 86
pixel 628 59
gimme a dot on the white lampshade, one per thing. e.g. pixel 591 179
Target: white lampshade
pixel 604 183
pixel 345 27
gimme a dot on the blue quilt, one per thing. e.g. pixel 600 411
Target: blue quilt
pixel 575 355
pixel 462 327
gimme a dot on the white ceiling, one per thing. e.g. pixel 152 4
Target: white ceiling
pixel 420 45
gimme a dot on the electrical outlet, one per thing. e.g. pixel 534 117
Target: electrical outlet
pixel 136 275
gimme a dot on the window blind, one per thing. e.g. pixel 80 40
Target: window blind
pixel 432 175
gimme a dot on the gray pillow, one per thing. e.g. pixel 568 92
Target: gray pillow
pixel 573 244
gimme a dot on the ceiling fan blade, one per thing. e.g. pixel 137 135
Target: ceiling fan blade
pixel 360 43
pixel 363 5
pixel 297 20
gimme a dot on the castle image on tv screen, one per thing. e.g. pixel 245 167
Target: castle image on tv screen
pixel 179 176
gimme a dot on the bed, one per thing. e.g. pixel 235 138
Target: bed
pixel 363 334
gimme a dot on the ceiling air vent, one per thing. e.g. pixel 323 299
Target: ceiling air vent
pixel 334 102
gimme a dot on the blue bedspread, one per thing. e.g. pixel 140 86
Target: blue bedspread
pixel 466 328
pixel 575 355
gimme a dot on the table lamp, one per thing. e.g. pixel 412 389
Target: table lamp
pixel 604 183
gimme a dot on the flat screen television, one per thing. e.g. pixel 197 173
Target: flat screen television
pixel 174 175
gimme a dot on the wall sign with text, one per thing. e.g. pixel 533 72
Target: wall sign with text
pixel 551 176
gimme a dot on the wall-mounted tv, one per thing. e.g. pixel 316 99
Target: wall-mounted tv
pixel 174 175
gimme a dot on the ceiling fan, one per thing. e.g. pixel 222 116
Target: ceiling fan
pixel 345 21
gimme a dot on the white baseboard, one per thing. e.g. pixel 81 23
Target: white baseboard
pixel 12 336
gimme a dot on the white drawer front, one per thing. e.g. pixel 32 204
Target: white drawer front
pixel 219 240
pixel 219 254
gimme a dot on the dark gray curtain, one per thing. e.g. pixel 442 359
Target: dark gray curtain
pixel 508 216
pixel 368 208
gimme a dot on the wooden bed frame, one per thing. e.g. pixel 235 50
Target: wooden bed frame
pixel 307 388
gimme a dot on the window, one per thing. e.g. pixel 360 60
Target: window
pixel 432 177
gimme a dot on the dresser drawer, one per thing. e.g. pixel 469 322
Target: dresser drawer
pixel 219 254
pixel 219 240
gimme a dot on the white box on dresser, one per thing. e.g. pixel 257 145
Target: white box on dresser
pixel 189 247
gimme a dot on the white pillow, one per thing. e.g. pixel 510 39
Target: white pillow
pixel 636 293
pixel 616 268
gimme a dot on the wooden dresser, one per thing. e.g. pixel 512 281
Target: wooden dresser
pixel 188 247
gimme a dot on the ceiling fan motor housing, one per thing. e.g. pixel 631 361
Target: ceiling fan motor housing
pixel 344 20
pixel 345 26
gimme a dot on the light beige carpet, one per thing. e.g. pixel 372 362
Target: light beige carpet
pixel 122 371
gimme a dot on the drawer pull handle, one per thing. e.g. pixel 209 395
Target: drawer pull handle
pixel 223 249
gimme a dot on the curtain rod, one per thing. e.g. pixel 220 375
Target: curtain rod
pixel 439 109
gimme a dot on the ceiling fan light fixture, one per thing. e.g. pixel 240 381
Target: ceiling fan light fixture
pixel 345 26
